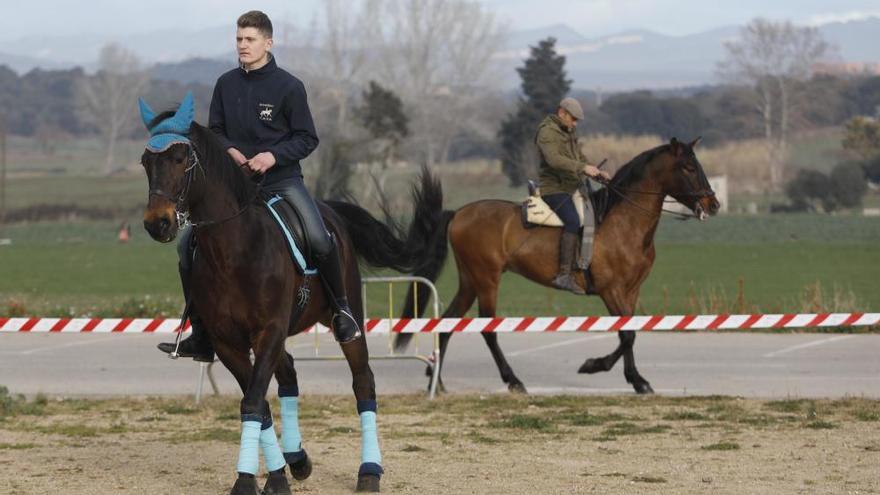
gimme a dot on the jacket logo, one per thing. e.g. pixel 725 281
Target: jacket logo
pixel 266 112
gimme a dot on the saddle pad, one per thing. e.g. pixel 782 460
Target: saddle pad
pixel 292 229
pixel 539 213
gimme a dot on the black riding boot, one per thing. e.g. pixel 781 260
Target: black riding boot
pixel 567 252
pixel 198 345
pixel 344 325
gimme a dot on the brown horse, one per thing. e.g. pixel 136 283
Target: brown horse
pixel 251 296
pixel 488 238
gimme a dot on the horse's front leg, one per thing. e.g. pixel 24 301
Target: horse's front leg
pixel 627 341
pixel 364 387
pixel 257 431
pixel 620 305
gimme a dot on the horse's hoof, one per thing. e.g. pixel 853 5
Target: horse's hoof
pixel 368 483
pixel 517 388
pixel 302 468
pixel 277 484
pixel 590 366
pixel 643 388
pixel 244 486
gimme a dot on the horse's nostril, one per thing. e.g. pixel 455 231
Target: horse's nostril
pixel 164 223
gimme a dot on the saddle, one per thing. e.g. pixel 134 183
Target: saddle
pixel 291 225
pixel 535 212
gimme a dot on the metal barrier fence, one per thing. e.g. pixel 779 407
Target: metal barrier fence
pixel 432 359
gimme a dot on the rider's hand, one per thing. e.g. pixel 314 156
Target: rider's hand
pixel 237 157
pixel 595 173
pixel 262 162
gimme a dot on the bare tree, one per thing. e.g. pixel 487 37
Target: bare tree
pixel 773 57
pixel 108 100
pixel 438 55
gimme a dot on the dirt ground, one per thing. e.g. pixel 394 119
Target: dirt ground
pixel 456 444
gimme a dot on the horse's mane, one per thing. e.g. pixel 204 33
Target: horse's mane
pixel 215 159
pixel 632 172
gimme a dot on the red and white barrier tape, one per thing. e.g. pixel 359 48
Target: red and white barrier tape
pixel 474 325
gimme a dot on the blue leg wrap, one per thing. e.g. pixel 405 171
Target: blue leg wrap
pixel 291 439
pixel 249 455
pixel 271 449
pixel 371 458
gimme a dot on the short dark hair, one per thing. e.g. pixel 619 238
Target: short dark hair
pixel 256 19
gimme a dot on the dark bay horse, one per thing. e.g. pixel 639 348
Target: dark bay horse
pixel 488 238
pixel 249 293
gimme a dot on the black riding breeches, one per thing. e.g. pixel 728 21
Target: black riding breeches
pixel 563 206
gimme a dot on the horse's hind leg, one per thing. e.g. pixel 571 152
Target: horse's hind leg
pixel 364 387
pixel 460 305
pixel 291 439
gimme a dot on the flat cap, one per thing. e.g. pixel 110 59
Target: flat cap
pixel 573 107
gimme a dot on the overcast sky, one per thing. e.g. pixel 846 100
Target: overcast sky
pixel 589 17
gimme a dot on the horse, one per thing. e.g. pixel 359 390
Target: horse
pixel 251 296
pixel 488 238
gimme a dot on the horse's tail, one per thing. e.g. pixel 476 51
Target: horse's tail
pixel 435 258
pixel 384 244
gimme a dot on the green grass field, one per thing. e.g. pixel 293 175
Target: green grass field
pixel 54 269
pixel 728 264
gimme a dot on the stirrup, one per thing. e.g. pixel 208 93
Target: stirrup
pixel 566 282
pixel 344 339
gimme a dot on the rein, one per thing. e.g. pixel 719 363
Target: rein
pixel 181 209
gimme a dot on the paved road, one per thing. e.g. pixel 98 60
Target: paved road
pixel 751 365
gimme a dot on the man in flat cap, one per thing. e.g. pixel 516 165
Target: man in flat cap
pixel 561 161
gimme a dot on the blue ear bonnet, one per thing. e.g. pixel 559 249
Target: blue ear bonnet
pixel 171 130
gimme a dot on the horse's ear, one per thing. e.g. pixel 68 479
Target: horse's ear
pixel 147 113
pixel 675 146
pixel 187 111
pixel 695 142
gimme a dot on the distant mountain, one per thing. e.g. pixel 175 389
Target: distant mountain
pixel 628 60
pixel 22 65
pixel 193 70
pixel 648 60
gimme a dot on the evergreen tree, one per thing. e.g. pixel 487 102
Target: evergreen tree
pixel 544 84
pixel 383 117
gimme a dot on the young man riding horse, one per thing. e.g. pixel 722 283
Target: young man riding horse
pixel 561 161
pixel 261 115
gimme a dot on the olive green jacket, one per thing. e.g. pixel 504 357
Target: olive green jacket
pixel 560 155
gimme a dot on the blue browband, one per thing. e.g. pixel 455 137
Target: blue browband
pixel 171 130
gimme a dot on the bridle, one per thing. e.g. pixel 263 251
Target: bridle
pixel 697 193
pixel 181 201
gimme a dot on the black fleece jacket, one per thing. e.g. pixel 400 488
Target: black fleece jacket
pixel 264 110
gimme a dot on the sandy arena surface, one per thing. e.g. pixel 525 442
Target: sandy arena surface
pixel 458 444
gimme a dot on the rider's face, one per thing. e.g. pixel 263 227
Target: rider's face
pixel 567 118
pixel 253 47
